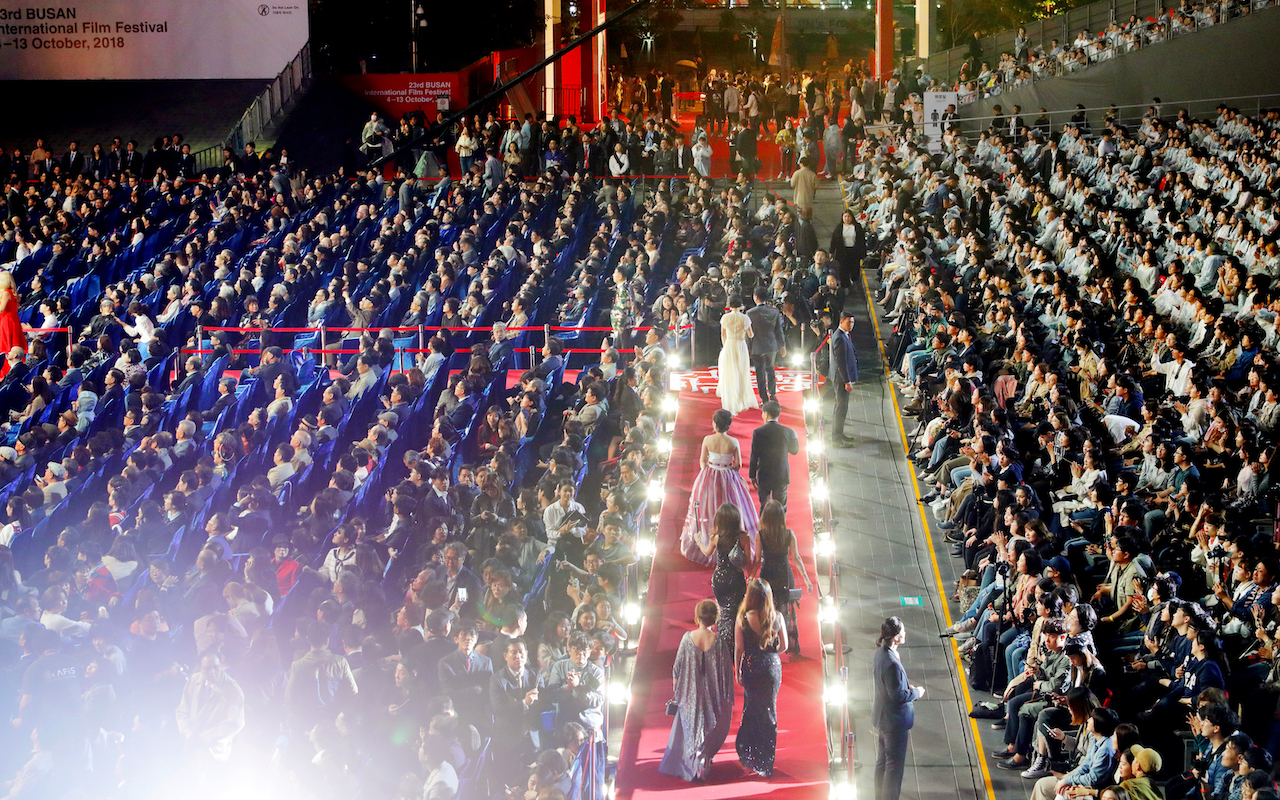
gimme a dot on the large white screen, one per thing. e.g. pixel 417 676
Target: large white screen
pixel 149 39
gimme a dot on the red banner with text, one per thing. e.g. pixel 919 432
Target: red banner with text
pixel 401 93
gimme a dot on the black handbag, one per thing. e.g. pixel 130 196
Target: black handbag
pixel 673 708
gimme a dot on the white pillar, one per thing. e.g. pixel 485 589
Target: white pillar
pixel 551 17
pixel 924 27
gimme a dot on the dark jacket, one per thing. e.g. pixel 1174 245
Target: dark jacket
pixel 766 328
pixel 893 707
pixel 770 444
pixel 848 257
pixel 844 359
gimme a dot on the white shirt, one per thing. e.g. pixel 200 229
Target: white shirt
pixel 64 626
pixel 554 516
pixel 619 164
pixel 1176 376
pixel 850 235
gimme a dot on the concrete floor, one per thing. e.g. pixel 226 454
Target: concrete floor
pixel 885 553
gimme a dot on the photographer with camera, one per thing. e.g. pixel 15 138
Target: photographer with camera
pixel 712 298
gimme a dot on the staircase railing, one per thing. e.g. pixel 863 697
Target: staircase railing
pixel 265 111
pixel 945 66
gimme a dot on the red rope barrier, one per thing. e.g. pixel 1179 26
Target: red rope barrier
pixel 426 328
pixel 589 350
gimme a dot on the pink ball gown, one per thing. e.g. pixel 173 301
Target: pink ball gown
pixel 718 483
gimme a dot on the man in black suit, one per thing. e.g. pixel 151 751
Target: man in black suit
pixel 425 658
pixel 1016 122
pixel 500 346
pixel 771 443
pixel 684 154
pixel 131 160
pixel 746 149
pixel 464 675
pixel 766 344
pixel 513 693
pixel 186 163
pixel 460 580
pixel 844 374
pixel 73 160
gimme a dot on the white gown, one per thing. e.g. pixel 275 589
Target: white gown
pixel 733 385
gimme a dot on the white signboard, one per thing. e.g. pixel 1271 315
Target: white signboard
pixel 149 39
pixel 935 105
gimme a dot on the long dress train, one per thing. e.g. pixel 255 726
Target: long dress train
pixel 757 737
pixel 716 484
pixel 733 384
pixel 704 693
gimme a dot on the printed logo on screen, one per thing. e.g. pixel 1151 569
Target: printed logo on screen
pixel 266 10
pixel 706 380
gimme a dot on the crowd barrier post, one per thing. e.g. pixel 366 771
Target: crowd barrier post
pixel 532 350
pixel 693 346
pixel 422 337
pixel 324 343
pixel 200 336
pixel 71 341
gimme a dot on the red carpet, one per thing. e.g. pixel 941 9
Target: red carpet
pixel 766 151
pixel 675 586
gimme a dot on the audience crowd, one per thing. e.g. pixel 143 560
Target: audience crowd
pixel 255 533
pixel 1030 62
pixel 1086 327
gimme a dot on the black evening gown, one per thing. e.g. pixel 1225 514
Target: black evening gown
pixel 729 586
pixel 761 677
pixel 775 568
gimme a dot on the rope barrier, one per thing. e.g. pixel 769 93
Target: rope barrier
pixel 429 328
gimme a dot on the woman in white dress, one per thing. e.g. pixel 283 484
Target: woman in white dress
pixel 733 385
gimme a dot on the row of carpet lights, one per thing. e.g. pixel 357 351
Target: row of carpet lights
pixel 835 693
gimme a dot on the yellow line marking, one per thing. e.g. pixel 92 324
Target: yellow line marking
pixel 928 540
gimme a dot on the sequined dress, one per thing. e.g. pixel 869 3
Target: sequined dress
pixel 704 692
pixel 729 586
pixel 757 737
